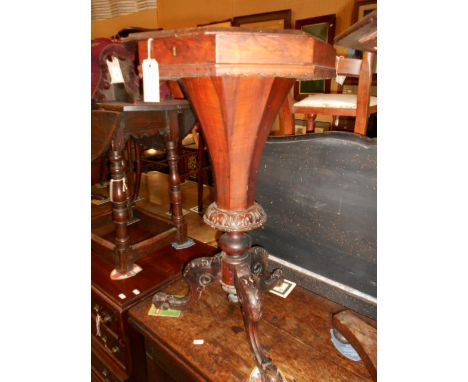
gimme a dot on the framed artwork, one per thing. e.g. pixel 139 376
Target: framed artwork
pixel 322 28
pixel 362 8
pixel 268 20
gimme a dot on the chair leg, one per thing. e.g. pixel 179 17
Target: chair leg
pixel 310 122
pixel 138 154
pixel 132 178
pixel 363 93
pixel 335 122
pixel 200 172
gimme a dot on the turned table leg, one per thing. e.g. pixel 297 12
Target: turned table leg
pixel 118 193
pixel 175 194
pixel 134 176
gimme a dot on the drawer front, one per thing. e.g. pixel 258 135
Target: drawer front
pixel 162 362
pixel 103 371
pixel 108 316
pixel 111 341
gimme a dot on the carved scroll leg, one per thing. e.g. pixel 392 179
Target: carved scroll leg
pixel 199 273
pixel 248 289
pixel 259 267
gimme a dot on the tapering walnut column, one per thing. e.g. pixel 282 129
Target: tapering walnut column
pixel 236 81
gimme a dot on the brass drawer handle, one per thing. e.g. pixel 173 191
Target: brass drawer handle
pixel 105 374
pixel 114 349
pixel 105 316
pixel 100 320
pixel 102 317
pixel 98 325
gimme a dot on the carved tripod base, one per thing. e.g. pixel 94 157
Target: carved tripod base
pixel 250 279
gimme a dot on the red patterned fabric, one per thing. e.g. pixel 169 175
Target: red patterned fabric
pixel 102 46
pixel 97 46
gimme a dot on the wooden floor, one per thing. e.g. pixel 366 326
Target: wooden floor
pixel 154 199
pixel 154 192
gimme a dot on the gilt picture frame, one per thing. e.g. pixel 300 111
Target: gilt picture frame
pixel 362 8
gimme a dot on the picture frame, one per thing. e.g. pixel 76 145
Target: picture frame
pixel 362 8
pixel 268 20
pixel 322 28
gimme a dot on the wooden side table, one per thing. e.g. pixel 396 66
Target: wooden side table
pixel 236 80
pixel 111 127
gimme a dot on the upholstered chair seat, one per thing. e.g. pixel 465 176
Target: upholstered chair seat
pixel 333 101
pixel 359 105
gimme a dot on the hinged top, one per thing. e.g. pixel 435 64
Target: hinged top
pixel 201 52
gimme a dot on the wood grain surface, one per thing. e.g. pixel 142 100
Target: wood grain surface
pixel 199 52
pixel 295 331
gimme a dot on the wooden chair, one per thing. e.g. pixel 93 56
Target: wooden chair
pixel 359 105
pixel 359 332
pixel 102 88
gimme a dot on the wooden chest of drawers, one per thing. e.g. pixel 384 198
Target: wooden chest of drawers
pixel 103 366
pixel 112 356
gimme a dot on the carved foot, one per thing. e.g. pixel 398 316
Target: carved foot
pixel 270 373
pixel 199 273
pixel 249 284
pixel 259 267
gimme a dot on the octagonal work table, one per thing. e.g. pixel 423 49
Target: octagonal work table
pixel 236 80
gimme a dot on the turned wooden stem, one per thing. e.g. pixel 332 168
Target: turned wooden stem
pixel 234 244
